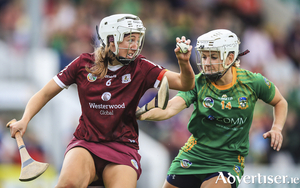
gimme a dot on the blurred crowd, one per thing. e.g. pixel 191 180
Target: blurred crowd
pixel 68 27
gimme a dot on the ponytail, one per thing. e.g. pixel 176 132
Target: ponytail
pixel 103 56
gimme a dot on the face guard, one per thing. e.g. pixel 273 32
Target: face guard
pixel 115 27
pixel 215 46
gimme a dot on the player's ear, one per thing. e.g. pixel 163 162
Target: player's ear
pixel 230 57
pixel 112 46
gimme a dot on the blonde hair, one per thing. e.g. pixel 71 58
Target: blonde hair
pixel 103 56
pixel 237 63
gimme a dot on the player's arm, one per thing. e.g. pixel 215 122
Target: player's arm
pixel 280 113
pixel 34 105
pixel 184 80
pixel 175 105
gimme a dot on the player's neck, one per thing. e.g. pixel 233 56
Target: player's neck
pixel 116 62
pixel 226 78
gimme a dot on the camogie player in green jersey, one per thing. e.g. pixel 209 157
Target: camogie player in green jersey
pixel 224 98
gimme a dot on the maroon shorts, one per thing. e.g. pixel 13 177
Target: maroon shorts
pixel 109 152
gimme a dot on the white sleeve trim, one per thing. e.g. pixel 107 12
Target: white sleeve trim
pixel 59 82
pixel 156 84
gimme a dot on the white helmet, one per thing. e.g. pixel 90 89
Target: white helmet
pixel 117 26
pixel 220 40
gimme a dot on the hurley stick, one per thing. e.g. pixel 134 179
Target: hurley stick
pixel 31 169
pixel 159 101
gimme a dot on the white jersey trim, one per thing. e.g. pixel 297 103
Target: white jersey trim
pixel 151 62
pixel 115 67
pixel 156 84
pixel 59 82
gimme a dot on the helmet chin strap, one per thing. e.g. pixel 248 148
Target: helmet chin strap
pixel 217 76
pixel 123 60
pixel 213 77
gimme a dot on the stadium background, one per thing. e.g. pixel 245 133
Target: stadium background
pixel 39 37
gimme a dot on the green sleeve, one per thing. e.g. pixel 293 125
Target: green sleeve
pixel 265 89
pixel 188 96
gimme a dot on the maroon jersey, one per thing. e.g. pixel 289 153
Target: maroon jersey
pixel 108 105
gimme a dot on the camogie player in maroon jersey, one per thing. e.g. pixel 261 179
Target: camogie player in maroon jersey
pixel 110 82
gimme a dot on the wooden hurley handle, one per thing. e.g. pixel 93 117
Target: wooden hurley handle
pixel 30 169
pixel 17 135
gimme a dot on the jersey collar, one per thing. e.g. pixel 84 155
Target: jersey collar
pixel 115 67
pixel 227 86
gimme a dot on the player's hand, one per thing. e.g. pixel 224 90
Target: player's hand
pixel 138 117
pixel 141 117
pixel 276 138
pixel 17 126
pixel 183 56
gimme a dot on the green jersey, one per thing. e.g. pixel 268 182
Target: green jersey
pixel 220 123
